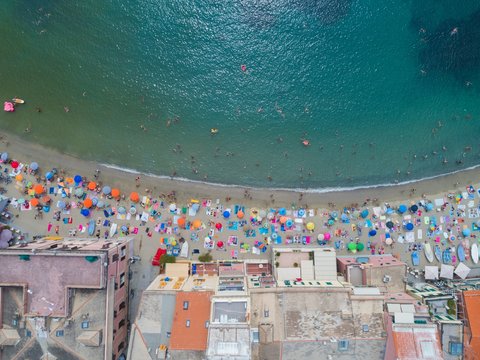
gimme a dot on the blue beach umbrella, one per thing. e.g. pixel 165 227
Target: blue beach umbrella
pixel 334 215
pixel 85 212
pixel 466 232
pixel 4 156
pixel 289 223
pixel 77 179
pixel 409 226
pixel 344 217
pixel 100 204
pixel 389 211
pixel 61 204
pixel 46 209
pixel 49 175
pixel 414 208
pixel 402 208
pixel 34 166
pixel 372 232
pixel 106 190
pixel 282 211
pixel 364 213
pixel 124 228
pixel 331 222
pixel 94 201
pixel 301 212
pixel 274 236
pixel 429 207
pixel 226 214
pixel 122 210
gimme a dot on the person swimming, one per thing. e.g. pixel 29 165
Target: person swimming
pixel 454 31
pixel 243 67
pixel 306 142
pixel 213 131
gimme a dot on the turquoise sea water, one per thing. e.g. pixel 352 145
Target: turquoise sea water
pixel 379 87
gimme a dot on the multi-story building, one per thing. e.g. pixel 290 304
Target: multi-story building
pixel 64 299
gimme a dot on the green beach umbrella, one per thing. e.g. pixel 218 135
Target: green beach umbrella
pixel 360 246
pixel 352 246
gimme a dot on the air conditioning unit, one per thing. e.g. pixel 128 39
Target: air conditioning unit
pixel 387 279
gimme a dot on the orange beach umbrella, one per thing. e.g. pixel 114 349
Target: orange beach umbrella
pixel 134 196
pixel 197 223
pixel 34 202
pixel 181 222
pixel 115 193
pixel 92 185
pixel 38 188
pixel 88 203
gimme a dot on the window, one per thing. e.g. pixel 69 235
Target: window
pixel 168 334
pixel 206 324
pixel 14 322
pixel 255 336
pixel 187 323
pixel 123 252
pixel 266 313
pixel 121 323
pixel 428 349
pixel 343 345
pixel 455 348
pixel 115 314
pixel 59 333
pixel 115 258
pixel 121 346
pixel 85 324
pixel 28 333
pixel 185 305
pixel 122 305
pixel 122 279
pixel 365 328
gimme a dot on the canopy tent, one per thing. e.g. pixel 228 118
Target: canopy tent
pixel 462 270
pixel 446 271
pixel 431 272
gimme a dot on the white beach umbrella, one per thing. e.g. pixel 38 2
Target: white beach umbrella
pixel 431 272
pixel 462 270
pixel 446 271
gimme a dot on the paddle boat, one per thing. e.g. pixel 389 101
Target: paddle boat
pixel 428 252
pixel 447 256
pixel 438 253
pixel 461 253
pixel 91 227
pixel 113 230
pixel 415 258
pixel 474 253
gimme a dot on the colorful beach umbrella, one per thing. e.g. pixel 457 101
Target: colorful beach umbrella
pixel 92 185
pixel 122 210
pixel 218 226
pixel 85 212
pixel 240 214
pixel 226 214
pixel 310 226
pixel 389 224
pixel 220 244
pixel 282 211
pixel 115 193
pixel 352 246
pixel 19 177
pixel 106 190
pixel 49 175
pixel 320 237
pixel 38 189
pixel 61 204
pixel 402 208
pixel 414 208
pixel 87 203
pixel 360 246
pixel 327 236
pixel 4 156
pixel 34 202
pixel 14 164
pixel 79 192
pixel 372 232
pixel 196 224
pixel 34 166
pixel 409 226
pixel 181 222
pixel 466 232
pixel 134 196
pixel 77 179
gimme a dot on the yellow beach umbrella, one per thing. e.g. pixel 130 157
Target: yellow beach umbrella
pixel 310 226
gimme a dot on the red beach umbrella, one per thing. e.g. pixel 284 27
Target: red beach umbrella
pixel 14 164
pixel 220 244
pixel 218 226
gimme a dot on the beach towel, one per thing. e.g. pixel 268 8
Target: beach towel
pixel 263 231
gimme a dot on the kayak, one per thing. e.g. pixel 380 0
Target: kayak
pixel 428 252
pixel 18 101
pixel 447 256
pixel 474 253
pixel 461 253
pixel 415 258
pixel 438 253
pixel 91 227
pixel 113 229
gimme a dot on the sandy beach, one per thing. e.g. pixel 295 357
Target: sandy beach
pixel 214 199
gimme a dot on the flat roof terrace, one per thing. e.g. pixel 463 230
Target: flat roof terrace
pixel 46 278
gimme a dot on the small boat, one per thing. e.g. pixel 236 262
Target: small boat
pixel 428 252
pixel 438 253
pixel 113 229
pixel 213 131
pixel 415 258
pixel 18 101
pixel 91 227
pixel 447 256
pixel 474 253
pixel 461 253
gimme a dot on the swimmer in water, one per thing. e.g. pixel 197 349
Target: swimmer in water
pixel 454 31
pixel 305 142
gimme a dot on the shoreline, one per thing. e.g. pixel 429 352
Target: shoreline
pixel 186 189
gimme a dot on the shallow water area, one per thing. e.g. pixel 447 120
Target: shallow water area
pixel 383 90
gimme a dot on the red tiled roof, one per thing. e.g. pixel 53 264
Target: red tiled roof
pixel 195 336
pixel 472 306
pixel 416 342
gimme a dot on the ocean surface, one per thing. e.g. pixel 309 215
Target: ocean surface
pixel 385 91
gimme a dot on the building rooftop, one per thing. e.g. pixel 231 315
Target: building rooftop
pixel 414 341
pixel 471 300
pixel 49 298
pixel 163 282
pixel 190 321
pixel 372 260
